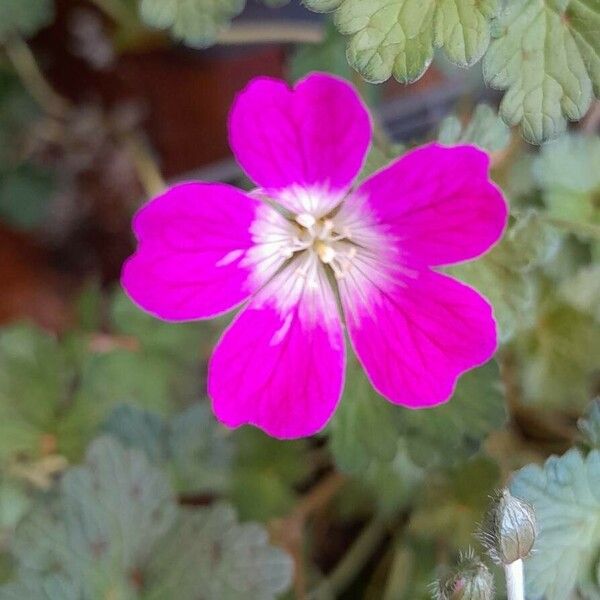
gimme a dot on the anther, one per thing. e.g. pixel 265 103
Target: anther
pixel 306 220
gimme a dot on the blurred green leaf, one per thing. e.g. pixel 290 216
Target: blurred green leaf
pixel 452 432
pixel 195 22
pixel 566 496
pixel 590 426
pixel 328 55
pixel 558 357
pixel 35 375
pixel 546 54
pixel 265 473
pixel 109 518
pixel 363 429
pixel 503 274
pixel 367 429
pixel 201 451
pixel 25 17
pixel 25 195
pixel 567 171
pixel 398 37
pixel 138 428
pixel 209 554
pixel 484 129
pixel 452 504
pixel 192 445
pixel 582 290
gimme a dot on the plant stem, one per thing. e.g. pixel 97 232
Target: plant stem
pixel 354 560
pixel 514 580
pixel 30 74
pixel 148 172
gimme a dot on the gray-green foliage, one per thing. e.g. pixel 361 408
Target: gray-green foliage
pixel 116 531
pixel 192 445
pixel 25 188
pixel 24 17
pixel 567 172
pixel 504 274
pixel 590 425
pixel 195 22
pixel 398 37
pixel 546 54
pixel 484 129
pixel 367 428
pixel 565 494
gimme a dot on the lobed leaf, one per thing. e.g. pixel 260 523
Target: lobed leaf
pixel 398 37
pixel 565 493
pixel 195 22
pixel 546 54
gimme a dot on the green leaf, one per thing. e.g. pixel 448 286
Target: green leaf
pixel 450 433
pixel 567 171
pixel 558 357
pixel 452 504
pixel 363 429
pixel 503 274
pixel 195 22
pixel 201 451
pixel 193 446
pixel 209 554
pixel 34 378
pixel 25 17
pixel 138 428
pixel 25 195
pixel 590 426
pixel 565 494
pixel 484 129
pixel 582 290
pixel 367 429
pixel 398 37
pixel 265 473
pixel 108 519
pixel 546 54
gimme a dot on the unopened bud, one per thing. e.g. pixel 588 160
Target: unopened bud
pixel 472 580
pixel 509 529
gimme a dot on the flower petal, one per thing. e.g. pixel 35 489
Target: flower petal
pixel 280 364
pixel 314 136
pixel 193 242
pixel 416 335
pixel 438 203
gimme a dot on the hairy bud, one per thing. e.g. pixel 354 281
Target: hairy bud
pixel 472 580
pixel 509 529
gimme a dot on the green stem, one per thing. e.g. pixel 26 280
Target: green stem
pixel 30 74
pixel 354 560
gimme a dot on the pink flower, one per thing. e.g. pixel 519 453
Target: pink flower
pixel 308 252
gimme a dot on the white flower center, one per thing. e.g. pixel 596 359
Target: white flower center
pixel 331 244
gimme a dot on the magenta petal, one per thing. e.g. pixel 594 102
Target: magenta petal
pixel 314 135
pixel 439 204
pixel 280 368
pixel 418 336
pixel 192 243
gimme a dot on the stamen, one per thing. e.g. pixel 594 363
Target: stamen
pixel 306 220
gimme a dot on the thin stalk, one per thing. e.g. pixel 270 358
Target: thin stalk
pixel 354 560
pixel 30 74
pixel 148 172
pixel 515 589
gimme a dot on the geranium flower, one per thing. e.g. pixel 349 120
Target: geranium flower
pixel 311 255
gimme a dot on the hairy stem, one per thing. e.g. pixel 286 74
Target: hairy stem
pixel 514 580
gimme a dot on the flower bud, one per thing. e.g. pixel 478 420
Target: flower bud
pixel 509 529
pixel 472 580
